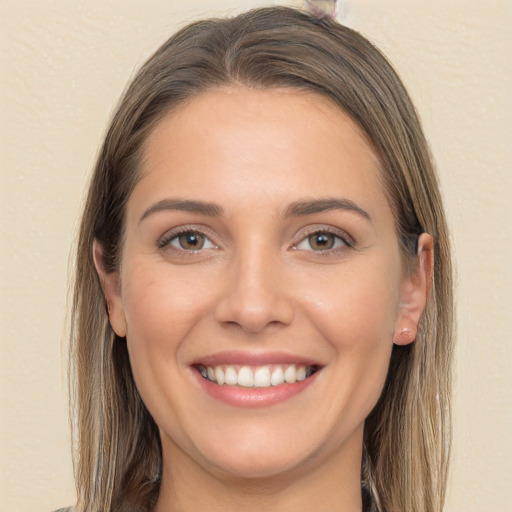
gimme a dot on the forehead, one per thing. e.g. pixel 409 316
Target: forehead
pixel 276 143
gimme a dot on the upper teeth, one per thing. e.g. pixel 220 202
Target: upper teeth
pixel 258 377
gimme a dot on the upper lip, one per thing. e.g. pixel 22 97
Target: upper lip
pixel 238 357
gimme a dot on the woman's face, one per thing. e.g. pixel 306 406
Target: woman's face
pixel 261 286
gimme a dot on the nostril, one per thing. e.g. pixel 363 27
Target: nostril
pixel 252 318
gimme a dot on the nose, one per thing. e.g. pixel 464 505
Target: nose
pixel 256 296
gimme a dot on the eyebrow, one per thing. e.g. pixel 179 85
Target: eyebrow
pixel 296 209
pixel 184 205
pixel 310 206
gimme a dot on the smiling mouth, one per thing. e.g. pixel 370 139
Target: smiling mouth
pixel 265 376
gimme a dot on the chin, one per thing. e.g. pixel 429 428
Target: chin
pixel 260 454
pixel 256 466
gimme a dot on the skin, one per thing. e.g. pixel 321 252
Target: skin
pixel 260 285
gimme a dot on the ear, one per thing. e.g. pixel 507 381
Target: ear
pixel 111 286
pixel 414 292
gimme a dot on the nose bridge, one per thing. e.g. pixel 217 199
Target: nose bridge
pixel 255 296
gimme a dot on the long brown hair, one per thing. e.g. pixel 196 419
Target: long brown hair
pixel 407 436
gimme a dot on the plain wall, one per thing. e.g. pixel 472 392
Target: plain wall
pixel 63 65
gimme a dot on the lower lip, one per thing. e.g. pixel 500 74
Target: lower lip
pixel 240 396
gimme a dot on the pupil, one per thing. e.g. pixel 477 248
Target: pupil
pixel 321 241
pixel 191 241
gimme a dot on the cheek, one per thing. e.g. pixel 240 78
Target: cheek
pixel 161 308
pixel 356 308
pixel 355 314
pixel 157 300
pixel 160 311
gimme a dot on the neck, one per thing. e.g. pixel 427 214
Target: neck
pixel 324 484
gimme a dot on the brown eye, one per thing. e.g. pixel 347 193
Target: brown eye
pixel 190 241
pixel 321 241
pixel 186 241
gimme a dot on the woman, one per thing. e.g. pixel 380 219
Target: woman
pixel 263 309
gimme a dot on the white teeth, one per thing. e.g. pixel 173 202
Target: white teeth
pixel 290 375
pixel 262 377
pixel 219 375
pixel 277 377
pixel 230 376
pixel 301 373
pixel 245 377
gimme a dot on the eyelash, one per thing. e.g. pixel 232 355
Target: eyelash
pixel 164 243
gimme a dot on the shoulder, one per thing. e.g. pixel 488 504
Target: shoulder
pixel 66 509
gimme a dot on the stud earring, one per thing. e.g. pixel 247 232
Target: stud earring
pixel 404 337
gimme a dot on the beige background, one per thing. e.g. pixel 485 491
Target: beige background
pixel 65 62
